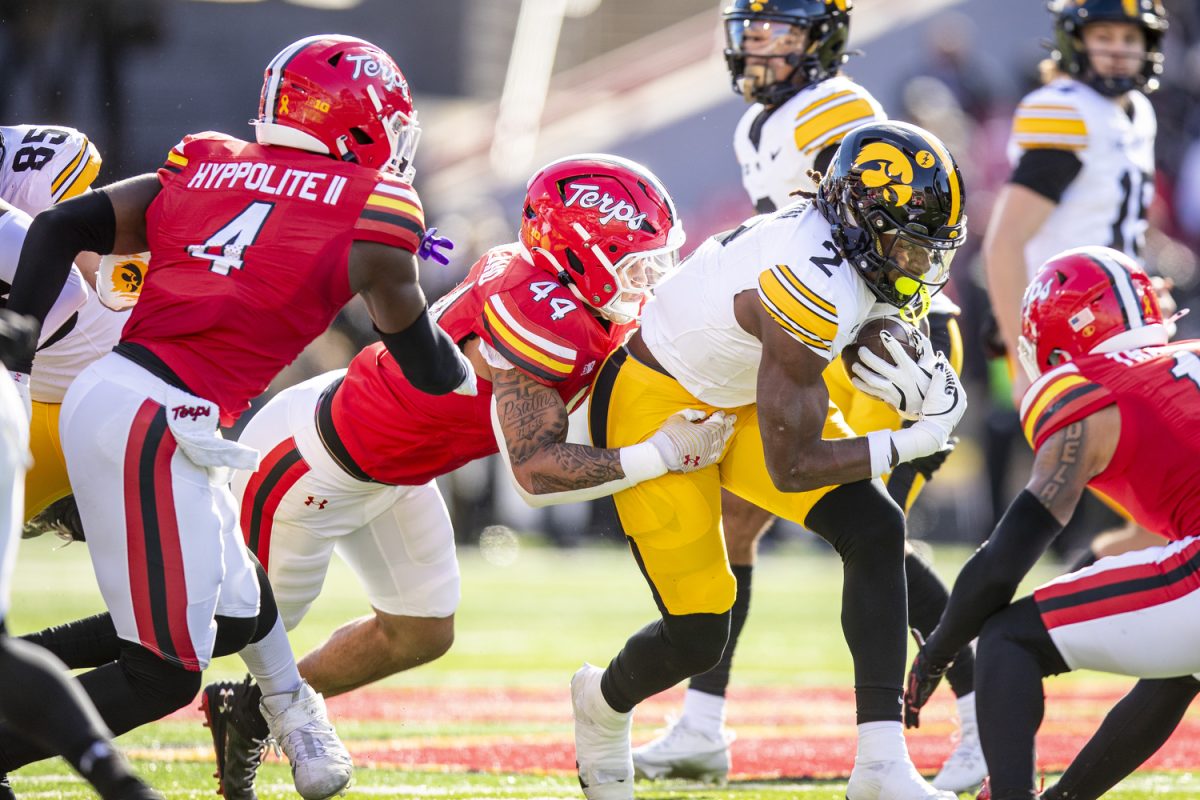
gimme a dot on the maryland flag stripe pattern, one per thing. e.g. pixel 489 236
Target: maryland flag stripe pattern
pixel 826 121
pixel 1058 399
pixel 394 215
pixel 176 160
pixel 801 311
pixel 78 175
pixel 1049 125
pixel 543 359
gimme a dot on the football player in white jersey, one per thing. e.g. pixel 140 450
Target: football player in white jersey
pixel 785 58
pixel 42 165
pixel 1082 148
pixel 748 325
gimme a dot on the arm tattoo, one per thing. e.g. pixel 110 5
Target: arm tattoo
pixel 1062 473
pixel 534 420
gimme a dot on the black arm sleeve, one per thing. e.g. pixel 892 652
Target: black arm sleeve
pixel 1047 171
pixel 426 355
pixel 55 237
pixel 990 577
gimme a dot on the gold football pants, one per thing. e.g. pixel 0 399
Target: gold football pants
pixel 674 521
pixel 47 481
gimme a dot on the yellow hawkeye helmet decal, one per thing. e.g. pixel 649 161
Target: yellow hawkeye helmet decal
pixel 894 175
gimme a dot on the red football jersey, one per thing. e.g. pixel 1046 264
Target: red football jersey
pixel 401 436
pixel 1155 472
pixel 249 247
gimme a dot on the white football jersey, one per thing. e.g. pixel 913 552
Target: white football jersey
pixel 1106 203
pixel 777 148
pixel 788 258
pixel 41 165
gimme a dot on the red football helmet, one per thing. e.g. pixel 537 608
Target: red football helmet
pixel 605 227
pixel 341 96
pixel 1087 300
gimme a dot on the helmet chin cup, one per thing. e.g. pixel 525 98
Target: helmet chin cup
pixel 753 80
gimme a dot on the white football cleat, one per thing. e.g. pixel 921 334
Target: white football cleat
pixel 603 750
pixel 299 724
pixel 894 779
pixel 685 752
pixel 965 768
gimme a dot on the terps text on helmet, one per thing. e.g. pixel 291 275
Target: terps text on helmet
pixel 369 66
pixel 588 195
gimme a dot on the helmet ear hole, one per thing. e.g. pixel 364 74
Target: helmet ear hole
pixel 573 261
pixel 361 136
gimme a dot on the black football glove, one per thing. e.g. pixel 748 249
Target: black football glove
pixel 923 679
pixel 18 338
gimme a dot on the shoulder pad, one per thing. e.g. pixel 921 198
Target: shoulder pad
pixel 1057 399
pixel 829 110
pixel 392 215
pixel 803 308
pixel 527 332
pixel 1050 117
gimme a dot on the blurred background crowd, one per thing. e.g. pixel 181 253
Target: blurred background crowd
pixel 503 86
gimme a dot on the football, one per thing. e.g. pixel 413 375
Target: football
pixel 868 337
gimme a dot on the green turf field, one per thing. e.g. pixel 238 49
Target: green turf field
pixel 524 626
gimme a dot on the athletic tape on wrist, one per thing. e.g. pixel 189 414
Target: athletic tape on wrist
pixel 642 462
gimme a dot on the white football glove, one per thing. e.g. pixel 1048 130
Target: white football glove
pixel 119 280
pixel 688 441
pixel 902 382
pixel 944 405
pixel 468 387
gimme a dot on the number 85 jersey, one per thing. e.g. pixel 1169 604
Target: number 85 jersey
pixel 527 319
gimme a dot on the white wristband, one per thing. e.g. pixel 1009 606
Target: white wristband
pixel 916 441
pixel 642 462
pixel 880 446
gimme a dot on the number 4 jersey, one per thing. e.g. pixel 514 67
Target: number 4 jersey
pixel 398 435
pixel 250 249
pixel 1155 471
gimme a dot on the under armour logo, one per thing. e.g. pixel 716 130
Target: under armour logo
pixel 320 504
pixel 691 461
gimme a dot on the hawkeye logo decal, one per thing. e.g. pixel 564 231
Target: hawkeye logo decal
pixel 893 175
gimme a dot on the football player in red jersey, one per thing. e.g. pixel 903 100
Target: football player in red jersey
pixel 1116 408
pixel 256 246
pixel 352 454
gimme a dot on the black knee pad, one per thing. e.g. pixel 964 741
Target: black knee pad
pixel 164 687
pixel 233 633
pixel 1020 624
pixel 860 521
pixel 268 611
pixel 697 641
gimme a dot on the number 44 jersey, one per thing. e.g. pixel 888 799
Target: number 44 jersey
pixel 250 246
pixel 528 321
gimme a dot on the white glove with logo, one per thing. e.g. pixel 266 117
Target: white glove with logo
pixel 119 280
pixel 688 441
pixel 944 405
pixel 902 382
pixel 468 387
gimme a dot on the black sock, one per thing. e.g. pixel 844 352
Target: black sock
pixel 716 680
pixel 927 597
pixel 82 643
pixel 1133 731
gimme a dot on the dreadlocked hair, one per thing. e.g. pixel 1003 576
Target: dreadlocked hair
pixel 814 175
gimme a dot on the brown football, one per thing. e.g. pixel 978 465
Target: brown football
pixel 868 337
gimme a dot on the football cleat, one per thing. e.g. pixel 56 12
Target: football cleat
pixel 603 751
pixel 299 724
pixel 238 753
pixel 685 752
pixel 965 768
pixel 894 779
